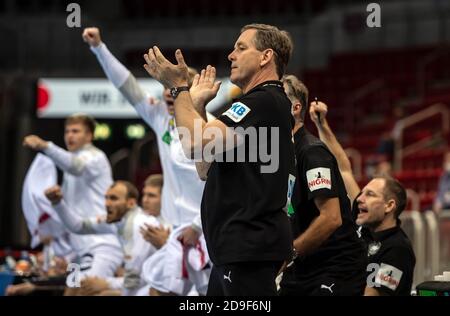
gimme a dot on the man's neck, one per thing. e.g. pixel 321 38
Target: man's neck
pixel 385 225
pixel 258 78
pixel 297 126
pixel 81 147
pixel 152 213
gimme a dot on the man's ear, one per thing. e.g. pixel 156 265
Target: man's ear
pixel 391 205
pixel 266 57
pixel 91 137
pixel 296 108
pixel 131 202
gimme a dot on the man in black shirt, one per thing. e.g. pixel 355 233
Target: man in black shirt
pixel 330 257
pixel 246 193
pixel 391 257
pixel 377 209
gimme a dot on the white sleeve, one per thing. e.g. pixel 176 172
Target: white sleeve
pixel 72 221
pixel 65 160
pixel 126 83
pixel 114 70
pixel 76 224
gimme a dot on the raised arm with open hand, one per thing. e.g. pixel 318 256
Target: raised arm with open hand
pixel 164 71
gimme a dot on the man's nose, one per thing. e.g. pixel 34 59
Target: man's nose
pixel 359 199
pixel 231 56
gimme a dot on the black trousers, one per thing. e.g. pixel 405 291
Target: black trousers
pixel 244 279
pixel 323 284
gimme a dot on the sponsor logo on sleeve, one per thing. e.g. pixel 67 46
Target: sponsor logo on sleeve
pixel 318 178
pixel 388 276
pixel 237 111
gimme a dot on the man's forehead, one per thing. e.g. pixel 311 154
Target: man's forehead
pixel 375 185
pixel 118 189
pixel 246 36
pixel 149 187
pixel 74 126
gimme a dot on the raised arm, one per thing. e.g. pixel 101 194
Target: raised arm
pixel 116 72
pixel 64 159
pixel 75 223
pixel 327 136
pixel 204 88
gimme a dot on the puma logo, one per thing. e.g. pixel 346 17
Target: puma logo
pixel 323 286
pixel 227 277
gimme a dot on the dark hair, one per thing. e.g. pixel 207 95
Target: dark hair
pixel 394 190
pixel 297 91
pixel 268 36
pixel 132 192
pixel 83 119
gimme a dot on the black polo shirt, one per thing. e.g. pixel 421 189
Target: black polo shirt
pixel 243 209
pixel 394 257
pixel 343 253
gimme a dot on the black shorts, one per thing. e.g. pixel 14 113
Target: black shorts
pixel 244 279
pixel 323 284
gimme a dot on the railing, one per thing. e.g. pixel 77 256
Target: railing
pixel 413 225
pixel 444 240
pixel 430 237
pixel 414 197
pixel 422 69
pixel 351 102
pixel 432 245
pixel 411 120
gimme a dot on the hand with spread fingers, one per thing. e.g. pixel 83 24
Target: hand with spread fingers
pixel 164 71
pixel 204 86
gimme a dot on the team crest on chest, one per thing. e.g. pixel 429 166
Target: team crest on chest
pixel 373 248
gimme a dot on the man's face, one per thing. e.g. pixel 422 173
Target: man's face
pixel 245 58
pixel 76 135
pixel 116 203
pixel 169 101
pixel 372 206
pixel 151 200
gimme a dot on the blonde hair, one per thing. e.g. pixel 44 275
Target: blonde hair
pixel 154 180
pixel 297 91
pixel 83 119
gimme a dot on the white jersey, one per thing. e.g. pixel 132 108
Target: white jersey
pixel 87 176
pixel 176 268
pixel 136 249
pixel 182 191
